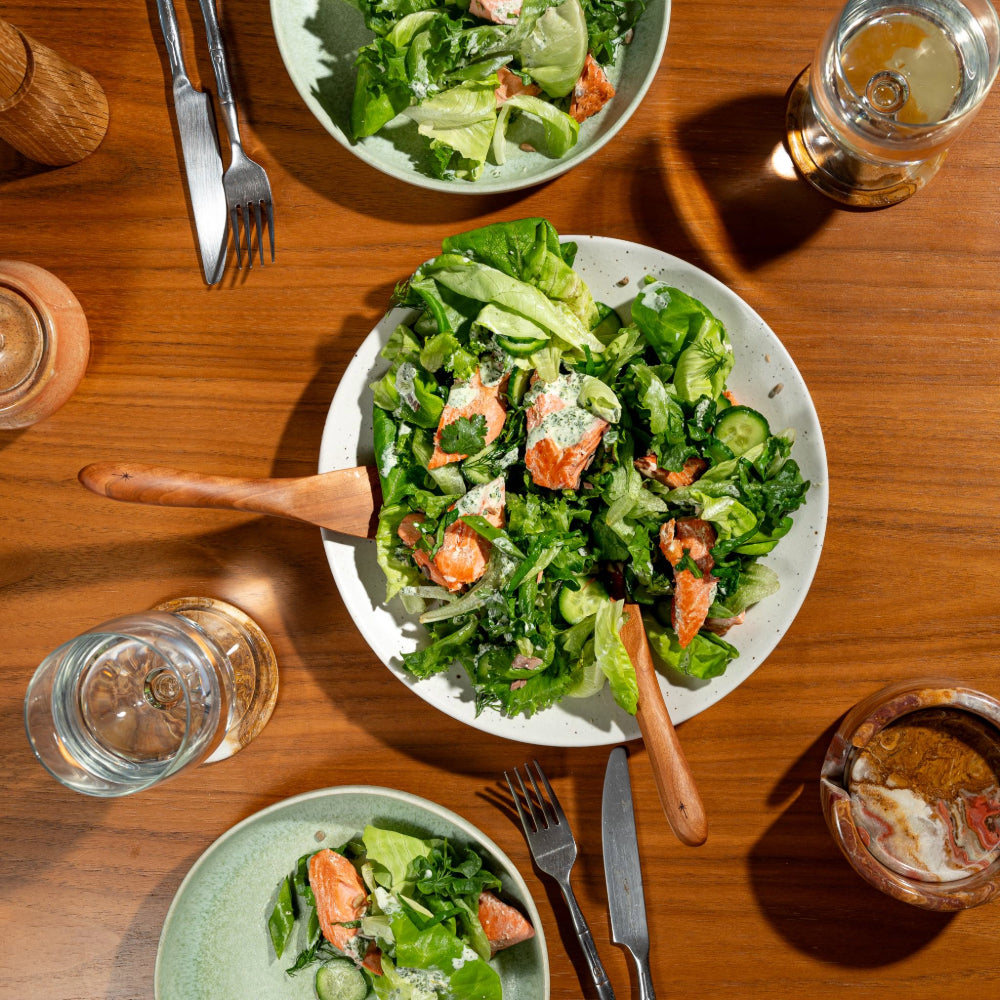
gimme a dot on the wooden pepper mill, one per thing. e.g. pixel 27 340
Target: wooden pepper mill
pixel 50 111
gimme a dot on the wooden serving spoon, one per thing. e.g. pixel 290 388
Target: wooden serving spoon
pixel 346 500
pixel 674 781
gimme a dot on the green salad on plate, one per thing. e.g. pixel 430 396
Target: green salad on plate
pixel 398 917
pixel 542 457
pixel 475 75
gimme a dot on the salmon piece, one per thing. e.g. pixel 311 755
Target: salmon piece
pixel 503 925
pixel 562 437
pixel 341 897
pixel 693 468
pixel 464 553
pixel 511 85
pixel 467 399
pixel 591 92
pixel 497 11
pixel 693 595
pixel 720 626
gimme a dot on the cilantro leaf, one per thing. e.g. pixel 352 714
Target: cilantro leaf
pixel 464 436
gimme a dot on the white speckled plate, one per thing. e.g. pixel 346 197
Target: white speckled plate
pixel 761 364
pixel 319 39
pixel 215 945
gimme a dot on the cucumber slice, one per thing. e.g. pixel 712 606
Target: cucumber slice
pixel 575 605
pixel 741 428
pixel 520 379
pixel 518 347
pixel 340 979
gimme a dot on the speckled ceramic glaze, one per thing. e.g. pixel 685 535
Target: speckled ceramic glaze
pixel 764 377
pixel 319 40
pixel 215 945
pixel 911 792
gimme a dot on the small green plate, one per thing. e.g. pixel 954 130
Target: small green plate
pixel 215 945
pixel 319 39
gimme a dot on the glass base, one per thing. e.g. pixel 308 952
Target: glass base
pixel 839 173
pixel 255 667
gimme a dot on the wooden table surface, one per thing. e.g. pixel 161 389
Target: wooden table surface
pixel 891 317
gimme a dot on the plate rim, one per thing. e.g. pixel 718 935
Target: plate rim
pixel 378 791
pixel 357 375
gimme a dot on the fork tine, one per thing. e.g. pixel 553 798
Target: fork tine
pixel 538 815
pixel 557 812
pixel 260 231
pixel 248 229
pixel 550 814
pixel 269 205
pixel 234 224
pixel 522 815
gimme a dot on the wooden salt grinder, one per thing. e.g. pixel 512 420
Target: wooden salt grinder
pixel 50 110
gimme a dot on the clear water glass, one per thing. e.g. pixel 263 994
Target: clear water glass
pixel 132 702
pixel 891 86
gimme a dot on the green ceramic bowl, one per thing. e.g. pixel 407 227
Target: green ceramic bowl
pixel 319 39
pixel 215 944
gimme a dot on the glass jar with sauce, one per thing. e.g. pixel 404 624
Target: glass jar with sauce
pixel 910 790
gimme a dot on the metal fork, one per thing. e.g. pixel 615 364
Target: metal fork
pixel 553 847
pixel 248 190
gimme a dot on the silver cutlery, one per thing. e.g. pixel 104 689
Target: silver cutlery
pixel 553 847
pixel 622 873
pixel 248 191
pixel 200 146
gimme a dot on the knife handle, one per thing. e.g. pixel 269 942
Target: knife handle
pixel 645 980
pixel 217 51
pixel 172 38
pixel 586 939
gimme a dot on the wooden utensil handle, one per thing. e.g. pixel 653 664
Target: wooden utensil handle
pixel 166 487
pixel 674 781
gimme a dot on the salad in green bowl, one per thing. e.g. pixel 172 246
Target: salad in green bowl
pixel 397 917
pixel 478 76
pixel 542 456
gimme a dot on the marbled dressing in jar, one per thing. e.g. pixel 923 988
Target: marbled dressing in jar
pixel 925 794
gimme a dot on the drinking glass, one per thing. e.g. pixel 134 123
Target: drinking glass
pixel 134 701
pixel 890 88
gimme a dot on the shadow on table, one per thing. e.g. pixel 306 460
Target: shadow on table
pixel 143 933
pixel 733 181
pixel 811 895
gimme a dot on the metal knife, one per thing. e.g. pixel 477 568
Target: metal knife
pixel 202 159
pixel 621 869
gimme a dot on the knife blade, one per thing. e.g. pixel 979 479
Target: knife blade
pixel 200 146
pixel 622 873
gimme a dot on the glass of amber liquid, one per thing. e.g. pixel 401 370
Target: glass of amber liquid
pixel 891 86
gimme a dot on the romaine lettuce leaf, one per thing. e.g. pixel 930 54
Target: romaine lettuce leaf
pixel 612 656
pixel 705 657
pixel 554 52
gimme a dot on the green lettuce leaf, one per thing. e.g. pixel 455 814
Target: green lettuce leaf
pixel 706 656
pixel 612 656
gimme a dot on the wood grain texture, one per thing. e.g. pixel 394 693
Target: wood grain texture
pixel 58 114
pixel 891 318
